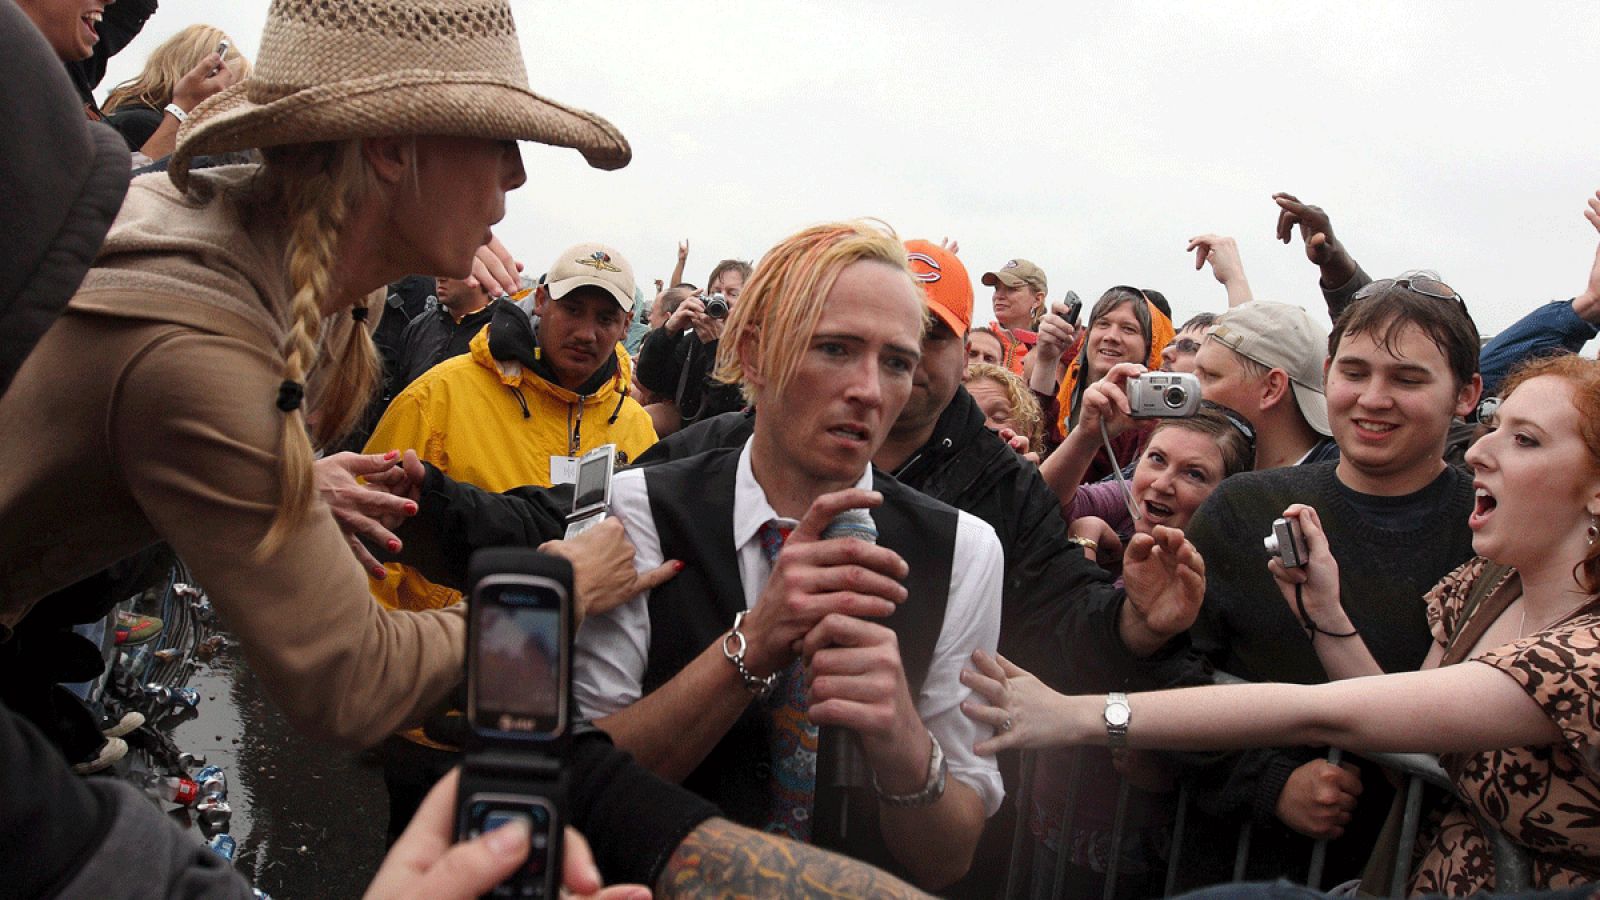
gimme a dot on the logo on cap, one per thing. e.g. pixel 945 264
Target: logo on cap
pixel 1010 264
pixel 598 260
pixel 931 274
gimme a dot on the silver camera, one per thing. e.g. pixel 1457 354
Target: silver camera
pixel 716 306
pixel 1287 543
pixel 1166 395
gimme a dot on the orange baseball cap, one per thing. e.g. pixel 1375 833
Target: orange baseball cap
pixel 946 282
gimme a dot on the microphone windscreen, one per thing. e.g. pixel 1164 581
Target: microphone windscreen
pixel 852 523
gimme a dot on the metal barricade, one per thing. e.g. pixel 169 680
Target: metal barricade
pixel 1511 864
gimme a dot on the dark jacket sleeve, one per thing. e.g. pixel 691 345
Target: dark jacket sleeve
pixel 661 360
pixel 1339 297
pixel 633 819
pixel 135 124
pixel 455 518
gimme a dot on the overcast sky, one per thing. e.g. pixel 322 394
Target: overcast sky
pixel 1091 139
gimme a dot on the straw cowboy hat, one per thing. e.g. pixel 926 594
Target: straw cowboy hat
pixel 332 70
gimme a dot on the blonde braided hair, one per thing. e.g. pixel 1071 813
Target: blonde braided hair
pixel 314 187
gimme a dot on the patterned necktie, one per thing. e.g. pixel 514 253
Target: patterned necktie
pixel 793 752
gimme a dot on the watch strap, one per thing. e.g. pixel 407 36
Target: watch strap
pixel 932 789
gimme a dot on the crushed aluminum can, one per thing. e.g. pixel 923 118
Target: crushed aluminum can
pixel 224 846
pixel 208 649
pixel 213 813
pixel 213 781
pixel 191 761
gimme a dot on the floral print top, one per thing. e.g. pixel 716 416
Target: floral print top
pixel 1545 799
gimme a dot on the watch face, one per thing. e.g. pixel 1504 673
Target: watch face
pixel 1116 714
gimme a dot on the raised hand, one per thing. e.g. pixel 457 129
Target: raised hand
pixel 1316 230
pixel 1223 254
pixel 1587 303
pixel 1056 335
pixel 209 77
pixel 1107 400
pixel 1165 579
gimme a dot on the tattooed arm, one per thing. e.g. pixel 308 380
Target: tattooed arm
pixel 721 858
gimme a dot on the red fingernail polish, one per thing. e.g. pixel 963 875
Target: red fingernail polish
pixel 392 454
pixel 411 509
pixel 677 565
pixel 394 546
pixel 379 572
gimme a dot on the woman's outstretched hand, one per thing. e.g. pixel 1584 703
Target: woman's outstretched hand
pixel 1021 710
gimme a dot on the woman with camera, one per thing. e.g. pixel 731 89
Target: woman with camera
pixel 1519 732
pixel 1183 462
pixel 1124 327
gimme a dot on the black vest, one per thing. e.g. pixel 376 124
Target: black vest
pixel 691 501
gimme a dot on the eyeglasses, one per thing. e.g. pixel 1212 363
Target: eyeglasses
pixel 1420 284
pixel 1185 345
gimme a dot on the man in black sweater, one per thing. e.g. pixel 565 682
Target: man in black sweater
pixel 1402 362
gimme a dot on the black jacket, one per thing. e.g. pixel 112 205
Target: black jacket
pixel 678 367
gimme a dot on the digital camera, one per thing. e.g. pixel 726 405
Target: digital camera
pixel 716 306
pixel 519 689
pixel 1167 395
pixel 1287 543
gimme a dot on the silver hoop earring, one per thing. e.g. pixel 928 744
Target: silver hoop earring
pixel 1594 529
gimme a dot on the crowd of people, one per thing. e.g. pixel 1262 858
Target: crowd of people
pixel 772 704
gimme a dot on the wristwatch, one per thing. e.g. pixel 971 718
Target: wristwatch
pixel 931 791
pixel 177 112
pixel 1118 714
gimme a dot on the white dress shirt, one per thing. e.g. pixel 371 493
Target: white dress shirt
pixel 611 650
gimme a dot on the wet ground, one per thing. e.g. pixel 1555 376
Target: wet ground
pixel 309 820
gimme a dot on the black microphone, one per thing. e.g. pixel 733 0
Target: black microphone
pixel 846 762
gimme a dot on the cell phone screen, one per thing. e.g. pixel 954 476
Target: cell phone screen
pixel 517 664
pixel 593 477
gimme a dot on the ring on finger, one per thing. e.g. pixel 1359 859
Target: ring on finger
pixel 1005 727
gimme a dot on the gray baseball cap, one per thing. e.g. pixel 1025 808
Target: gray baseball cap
pixel 1280 336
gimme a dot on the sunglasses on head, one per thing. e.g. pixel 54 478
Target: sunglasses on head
pixel 1418 284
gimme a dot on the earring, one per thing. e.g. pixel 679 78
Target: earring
pixel 1593 530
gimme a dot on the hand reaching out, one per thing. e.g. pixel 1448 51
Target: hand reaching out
pixel 364 510
pixel 207 78
pixel 1165 578
pixel 1587 303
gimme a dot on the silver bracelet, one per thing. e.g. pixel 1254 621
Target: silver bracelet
pixel 733 647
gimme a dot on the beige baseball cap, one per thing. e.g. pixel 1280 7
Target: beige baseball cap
pixel 592 264
pixel 1015 273
pixel 1281 336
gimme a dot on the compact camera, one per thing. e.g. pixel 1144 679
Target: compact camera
pixel 1287 543
pixel 716 306
pixel 519 690
pixel 1167 395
